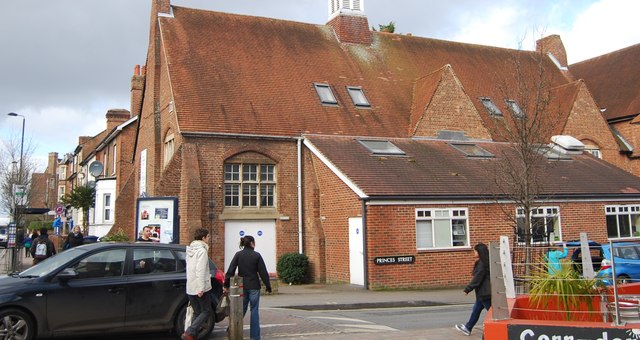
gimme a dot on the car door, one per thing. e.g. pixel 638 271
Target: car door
pixel 157 287
pixel 95 301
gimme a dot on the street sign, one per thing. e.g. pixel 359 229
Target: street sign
pixel 59 209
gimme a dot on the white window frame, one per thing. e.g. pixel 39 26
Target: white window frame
pixel 113 172
pixel 623 213
pixel 62 173
pixel 61 192
pixel 430 220
pixel 594 151
pixel 250 185
pixel 491 107
pixel 541 214
pixel 106 201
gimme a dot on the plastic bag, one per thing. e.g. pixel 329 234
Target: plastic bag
pixel 223 307
pixel 188 317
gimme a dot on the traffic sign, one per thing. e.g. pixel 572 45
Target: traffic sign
pixel 59 209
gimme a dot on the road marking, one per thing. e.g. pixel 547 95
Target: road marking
pixel 372 328
pixel 338 319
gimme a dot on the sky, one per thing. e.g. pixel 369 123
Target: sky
pixel 64 63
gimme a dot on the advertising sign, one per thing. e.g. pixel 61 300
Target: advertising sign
pixel 160 215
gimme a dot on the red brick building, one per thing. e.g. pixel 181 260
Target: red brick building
pixel 231 112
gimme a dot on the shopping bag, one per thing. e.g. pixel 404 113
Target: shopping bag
pixel 223 307
pixel 188 317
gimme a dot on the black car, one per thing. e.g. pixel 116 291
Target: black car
pixel 101 288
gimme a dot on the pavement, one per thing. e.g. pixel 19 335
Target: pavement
pixel 313 297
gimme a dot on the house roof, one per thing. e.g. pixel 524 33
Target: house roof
pixel 241 74
pixel 433 168
pixel 613 81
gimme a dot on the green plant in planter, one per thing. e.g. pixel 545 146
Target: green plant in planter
pixel 292 268
pixel 565 288
pixel 117 236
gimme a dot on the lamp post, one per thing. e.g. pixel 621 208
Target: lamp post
pixel 15 208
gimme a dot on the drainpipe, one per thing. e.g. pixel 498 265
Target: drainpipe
pixel 300 195
pixel 364 244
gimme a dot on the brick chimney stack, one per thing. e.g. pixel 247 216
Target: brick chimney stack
pixel 553 45
pixel 162 6
pixel 116 117
pixel 349 22
pixel 52 164
pixel 137 87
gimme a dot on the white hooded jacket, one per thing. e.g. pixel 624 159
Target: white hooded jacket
pixel 198 275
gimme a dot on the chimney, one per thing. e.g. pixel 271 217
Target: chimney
pixel 137 87
pixel 161 7
pixel 52 163
pixel 116 117
pixel 349 22
pixel 83 139
pixel 553 46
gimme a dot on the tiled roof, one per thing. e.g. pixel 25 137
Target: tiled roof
pixel 241 74
pixel 613 81
pixel 433 168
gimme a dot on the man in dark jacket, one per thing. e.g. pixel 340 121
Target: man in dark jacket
pixel 42 247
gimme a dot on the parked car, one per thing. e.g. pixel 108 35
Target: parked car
pixel 3 236
pixel 595 250
pixel 102 288
pixel 627 263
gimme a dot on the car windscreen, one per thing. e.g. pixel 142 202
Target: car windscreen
pixel 54 262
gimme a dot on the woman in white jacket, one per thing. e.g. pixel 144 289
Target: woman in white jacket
pixel 198 282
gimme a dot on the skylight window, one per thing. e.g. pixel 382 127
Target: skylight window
pixel 491 107
pixel 325 94
pixel 381 147
pixel 472 150
pixel 514 108
pixel 358 97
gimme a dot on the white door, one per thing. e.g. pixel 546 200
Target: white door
pixel 356 251
pixel 264 231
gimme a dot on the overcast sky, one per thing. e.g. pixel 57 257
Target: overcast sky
pixel 64 63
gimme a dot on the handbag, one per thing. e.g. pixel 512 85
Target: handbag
pixel 188 317
pixel 223 307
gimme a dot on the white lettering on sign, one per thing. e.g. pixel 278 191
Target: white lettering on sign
pixel 529 334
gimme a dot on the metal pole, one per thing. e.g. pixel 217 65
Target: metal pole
pixel 235 312
pixel 15 209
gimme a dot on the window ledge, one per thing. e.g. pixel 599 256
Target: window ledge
pixel 249 214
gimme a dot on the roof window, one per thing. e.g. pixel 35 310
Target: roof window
pixel 514 108
pixel 491 107
pixel 325 94
pixel 381 147
pixel 472 150
pixel 358 97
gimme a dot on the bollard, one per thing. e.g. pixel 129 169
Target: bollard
pixel 235 309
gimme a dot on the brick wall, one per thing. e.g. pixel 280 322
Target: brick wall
pixel 351 29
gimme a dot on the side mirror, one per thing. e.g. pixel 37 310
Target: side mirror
pixel 67 274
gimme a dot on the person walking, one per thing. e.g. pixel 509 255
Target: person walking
pixel 74 239
pixel 198 282
pixel 42 247
pixel 250 266
pixel 27 245
pixel 481 283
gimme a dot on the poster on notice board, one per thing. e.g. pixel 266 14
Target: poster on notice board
pixel 160 216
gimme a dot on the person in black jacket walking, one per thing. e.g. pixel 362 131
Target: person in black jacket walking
pixel 250 265
pixel 481 283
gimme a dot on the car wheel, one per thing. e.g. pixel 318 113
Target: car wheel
pixel 623 279
pixel 206 328
pixel 16 324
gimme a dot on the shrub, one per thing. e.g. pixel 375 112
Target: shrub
pixel 292 268
pixel 117 236
pixel 37 225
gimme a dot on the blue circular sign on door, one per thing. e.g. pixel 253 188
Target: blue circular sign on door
pixel 357 231
pixel 241 233
pixel 259 232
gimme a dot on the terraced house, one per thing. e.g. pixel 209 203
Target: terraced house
pixel 371 152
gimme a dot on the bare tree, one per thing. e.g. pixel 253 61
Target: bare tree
pixel 10 176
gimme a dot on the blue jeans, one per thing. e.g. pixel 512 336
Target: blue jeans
pixel 201 311
pixel 252 296
pixel 475 312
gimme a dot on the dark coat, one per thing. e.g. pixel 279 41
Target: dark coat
pixel 51 249
pixel 481 282
pixel 250 264
pixel 74 240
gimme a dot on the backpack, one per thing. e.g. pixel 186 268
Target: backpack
pixel 41 249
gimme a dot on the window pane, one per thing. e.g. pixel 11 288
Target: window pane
pixel 107 214
pixel 250 195
pixel 442 229
pixel 106 263
pixel 267 173
pixel 325 94
pixel 635 225
pixel 623 223
pixel 612 226
pixel 232 195
pixel 357 96
pixel 266 195
pixel 424 235
pixel 459 233
pixel 232 172
pixel 521 231
pixel 250 172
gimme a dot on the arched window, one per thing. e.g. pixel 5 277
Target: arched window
pixel 169 144
pixel 249 185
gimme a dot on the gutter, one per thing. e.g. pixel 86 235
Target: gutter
pixel 237 135
pixel 365 253
pixel 299 146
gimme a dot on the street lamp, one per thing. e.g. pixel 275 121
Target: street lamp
pixel 15 208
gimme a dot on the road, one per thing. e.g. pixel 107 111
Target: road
pixel 389 323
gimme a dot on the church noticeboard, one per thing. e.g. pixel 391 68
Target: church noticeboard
pixel 406 259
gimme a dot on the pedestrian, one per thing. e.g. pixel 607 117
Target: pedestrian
pixel 42 247
pixel 27 244
pixel 553 258
pixel 74 239
pixel 198 282
pixel 481 283
pixel 250 265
